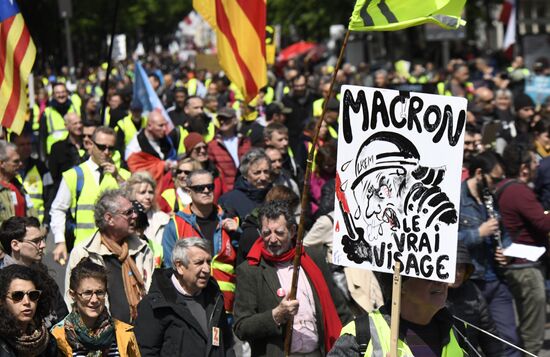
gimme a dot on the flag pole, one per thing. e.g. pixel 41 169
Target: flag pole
pixel 305 193
pixel 106 87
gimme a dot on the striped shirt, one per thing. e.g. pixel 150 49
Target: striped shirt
pixel 113 352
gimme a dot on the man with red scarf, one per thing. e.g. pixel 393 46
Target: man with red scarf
pixel 262 307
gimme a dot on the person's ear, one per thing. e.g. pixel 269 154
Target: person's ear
pixel 524 169
pixel 478 174
pixel 72 294
pixel 293 231
pixel 15 245
pixel 179 268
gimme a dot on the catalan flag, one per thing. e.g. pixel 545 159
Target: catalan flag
pixel 392 15
pixel 17 54
pixel 240 35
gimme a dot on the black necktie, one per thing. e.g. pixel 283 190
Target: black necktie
pixel 101 174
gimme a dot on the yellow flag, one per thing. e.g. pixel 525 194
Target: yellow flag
pixel 392 15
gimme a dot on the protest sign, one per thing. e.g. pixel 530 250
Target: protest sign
pixel 538 88
pixel 398 181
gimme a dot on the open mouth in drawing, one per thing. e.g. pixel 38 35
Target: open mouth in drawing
pixel 389 216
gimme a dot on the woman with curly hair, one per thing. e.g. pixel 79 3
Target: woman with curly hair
pixel 25 300
pixel 89 330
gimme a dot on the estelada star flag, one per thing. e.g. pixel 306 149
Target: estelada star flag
pixel 17 55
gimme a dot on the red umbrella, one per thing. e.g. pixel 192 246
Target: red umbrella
pixel 295 50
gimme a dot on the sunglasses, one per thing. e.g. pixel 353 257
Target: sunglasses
pixel 200 188
pixel 88 294
pixel 103 147
pixel 178 171
pixel 17 296
pixel 199 148
pixel 88 136
pixel 129 212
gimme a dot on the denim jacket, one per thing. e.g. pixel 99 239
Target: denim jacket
pixel 481 250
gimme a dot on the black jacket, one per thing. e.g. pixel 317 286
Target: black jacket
pixel 6 350
pixel 165 327
pixel 243 198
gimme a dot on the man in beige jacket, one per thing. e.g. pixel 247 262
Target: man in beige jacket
pixel 128 259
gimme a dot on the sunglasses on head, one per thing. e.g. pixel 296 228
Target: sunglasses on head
pixel 103 147
pixel 200 188
pixel 178 171
pixel 17 296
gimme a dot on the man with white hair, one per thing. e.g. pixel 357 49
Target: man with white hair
pixel 183 314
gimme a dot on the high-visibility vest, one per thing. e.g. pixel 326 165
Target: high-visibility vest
pixel 77 101
pixel 158 252
pixel 444 89
pixel 318 107
pixel 35 118
pixel 208 136
pixel 83 209
pixel 32 182
pixel 128 127
pixel 56 126
pixel 223 261
pixel 379 344
pixel 332 132
pixel 172 198
pixel 420 80
pixel 269 96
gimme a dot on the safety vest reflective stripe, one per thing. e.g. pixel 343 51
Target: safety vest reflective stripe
pixel 228 268
pixel 332 132
pixel 83 210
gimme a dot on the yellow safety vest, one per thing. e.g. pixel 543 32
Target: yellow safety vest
pixel 35 188
pixel 443 90
pixel 379 344
pixel 77 101
pixel 318 107
pixel 172 198
pixel 83 209
pixel 35 118
pixel 127 126
pixel 192 86
pixel 56 126
pixel 269 96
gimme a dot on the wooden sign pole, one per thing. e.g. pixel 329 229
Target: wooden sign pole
pixel 395 309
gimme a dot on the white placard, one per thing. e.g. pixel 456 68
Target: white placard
pixel 398 181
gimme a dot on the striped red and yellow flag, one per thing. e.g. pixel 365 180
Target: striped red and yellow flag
pixel 17 54
pixel 240 35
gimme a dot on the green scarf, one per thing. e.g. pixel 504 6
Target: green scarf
pixel 81 337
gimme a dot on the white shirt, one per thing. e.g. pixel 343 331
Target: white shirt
pixel 62 204
pixel 232 145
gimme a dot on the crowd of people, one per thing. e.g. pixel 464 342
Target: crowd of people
pixel 178 233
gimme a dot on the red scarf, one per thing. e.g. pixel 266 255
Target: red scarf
pixel 331 320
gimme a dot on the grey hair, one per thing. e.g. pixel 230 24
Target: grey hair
pixel 276 209
pixel 181 248
pixel 189 178
pixel 107 130
pixel 107 202
pixel 4 146
pixel 136 179
pixel 251 157
pixel 505 92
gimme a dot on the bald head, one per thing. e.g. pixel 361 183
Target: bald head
pixel 73 123
pixel 156 125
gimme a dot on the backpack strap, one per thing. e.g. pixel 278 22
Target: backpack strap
pixel 362 332
pixel 501 189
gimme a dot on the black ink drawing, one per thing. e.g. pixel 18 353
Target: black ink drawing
pixel 392 191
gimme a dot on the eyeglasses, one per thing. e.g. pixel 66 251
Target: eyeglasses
pixel 128 213
pixel 198 149
pixel 88 294
pixel 17 296
pixel 35 241
pixel 178 171
pixel 200 188
pixel 88 136
pixel 103 147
